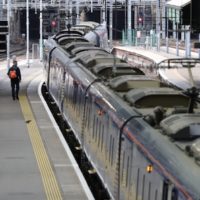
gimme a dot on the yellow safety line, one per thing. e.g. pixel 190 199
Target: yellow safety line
pixel 48 177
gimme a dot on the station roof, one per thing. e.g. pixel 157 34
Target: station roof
pixel 177 3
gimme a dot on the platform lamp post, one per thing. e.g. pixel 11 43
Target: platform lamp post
pixel 129 35
pixel 27 32
pixel 8 35
pixel 41 36
pixel 77 11
pixel 158 6
pixel 111 24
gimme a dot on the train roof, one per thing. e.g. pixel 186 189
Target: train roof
pixel 67 33
pixel 128 82
pixel 182 126
pixel 106 70
pixel 152 97
pixel 66 40
pixel 75 45
pixel 88 25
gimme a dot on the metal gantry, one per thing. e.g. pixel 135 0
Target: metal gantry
pixel 69 6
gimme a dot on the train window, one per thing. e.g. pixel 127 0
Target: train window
pixel 110 148
pixel 174 195
pixel 86 104
pixel 143 186
pixel 70 91
pixel 156 194
pixel 137 185
pixel 102 137
pixel 127 171
pixel 99 135
pixel 66 87
pixel 96 130
pixel 80 101
pixel 149 191
pixel 75 94
pixel 86 113
pixel 85 109
pixel 93 130
pixel 69 94
pixel 165 190
pixel 113 145
pixel 89 109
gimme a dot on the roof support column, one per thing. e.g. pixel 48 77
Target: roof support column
pixel 111 24
pixel 77 13
pixel 27 32
pixel 163 19
pixel 41 43
pixel 8 36
pixel 135 17
pixel 129 23
pixel 158 17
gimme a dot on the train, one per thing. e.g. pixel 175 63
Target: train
pixel 141 135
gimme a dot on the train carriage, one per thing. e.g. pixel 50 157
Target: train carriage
pixel 138 133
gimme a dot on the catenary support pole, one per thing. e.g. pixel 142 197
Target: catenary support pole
pixel 27 32
pixel 77 13
pixel 41 36
pixel 111 24
pixel 8 36
pixel 129 23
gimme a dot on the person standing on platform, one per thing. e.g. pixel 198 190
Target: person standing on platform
pixel 15 78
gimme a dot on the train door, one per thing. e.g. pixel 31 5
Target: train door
pixel 107 144
pixel 80 100
pixel 46 65
pixel 53 78
pixel 125 172
pixel 105 134
pixel 169 192
pixel 88 119
pixel 49 65
pixel 148 185
pixel 62 95
pixel 66 90
pixel 165 190
pixel 74 97
pixel 145 181
pixel 60 83
pixel 174 194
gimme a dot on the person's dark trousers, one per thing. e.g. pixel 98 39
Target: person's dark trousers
pixel 15 88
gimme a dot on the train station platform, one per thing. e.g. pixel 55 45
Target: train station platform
pixel 153 54
pixel 149 61
pixel 35 161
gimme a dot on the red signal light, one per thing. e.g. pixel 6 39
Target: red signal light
pixel 140 19
pixel 53 23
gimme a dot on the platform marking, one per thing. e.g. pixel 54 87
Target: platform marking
pixel 52 189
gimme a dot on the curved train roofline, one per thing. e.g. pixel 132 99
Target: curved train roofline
pixel 144 129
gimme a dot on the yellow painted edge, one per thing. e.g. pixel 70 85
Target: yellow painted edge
pixel 51 187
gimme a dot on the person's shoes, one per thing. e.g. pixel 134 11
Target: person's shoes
pixel 17 98
pixel 13 98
